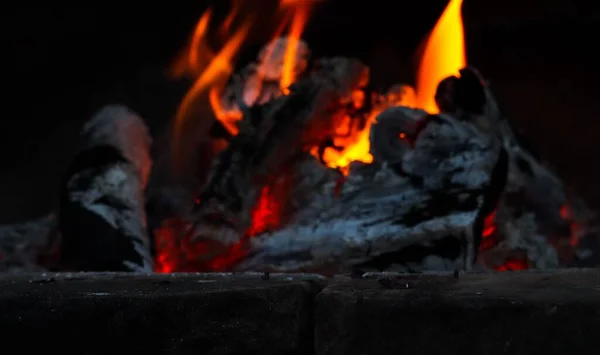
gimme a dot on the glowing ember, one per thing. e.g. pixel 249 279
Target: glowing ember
pixel 175 253
pixel 514 265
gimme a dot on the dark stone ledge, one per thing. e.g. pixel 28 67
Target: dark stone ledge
pixel 157 314
pixel 506 313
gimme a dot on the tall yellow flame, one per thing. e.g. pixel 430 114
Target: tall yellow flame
pixel 444 55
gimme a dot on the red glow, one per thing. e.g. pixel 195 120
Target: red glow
pixel 168 251
pixel 489 227
pixel 265 214
pixel 175 254
pixel 514 265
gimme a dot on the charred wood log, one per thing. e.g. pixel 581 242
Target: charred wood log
pixel 259 82
pixel 394 133
pixel 102 219
pixel 270 136
pixel 533 214
pixel 437 194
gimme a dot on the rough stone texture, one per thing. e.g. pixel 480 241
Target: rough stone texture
pixel 507 313
pixel 483 314
pixel 157 314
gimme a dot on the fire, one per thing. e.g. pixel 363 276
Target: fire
pixel 289 60
pixel 356 147
pixel 443 56
pixel 174 254
pixel 216 72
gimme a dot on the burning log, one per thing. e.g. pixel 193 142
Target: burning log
pixel 269 137
pixel 395 132
pixel 433 190
pixel 530 221
pixel 102 219
pixel 258 83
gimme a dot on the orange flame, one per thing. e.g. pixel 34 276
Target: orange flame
pixel 216 72
pixel 227 118
pixel 444 55
pixel 356 148
pixel 198 37
pixel 213 70
pixel 289 63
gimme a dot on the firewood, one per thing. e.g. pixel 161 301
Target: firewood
pixel 436 192
pixel 270 136
pixel 259 82
pixel 101 218
pixel 529 217
pixel 394 133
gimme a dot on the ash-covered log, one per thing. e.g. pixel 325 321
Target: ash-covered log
pixel 432 189
pixel 270 137
pixel 101 218
pixel 535 223
pixel 259 82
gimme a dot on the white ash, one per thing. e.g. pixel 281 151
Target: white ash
pixel 121 184
pixel 366 220
pixel 260 82
pixel 271 59
pixel 117 126
pixel 436 158
pixel 115 193
pixel 386 144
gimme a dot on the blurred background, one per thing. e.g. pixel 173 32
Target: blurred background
pixel 60 64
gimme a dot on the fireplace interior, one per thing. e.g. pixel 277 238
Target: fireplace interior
pixel 214 185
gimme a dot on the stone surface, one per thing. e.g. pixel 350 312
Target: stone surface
pixel 157 314
pixel 481 314
pixel 506 313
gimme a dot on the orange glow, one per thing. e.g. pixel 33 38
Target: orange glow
pixel 355 143
pixel 443 56
pixel 177 254
pixel 198 37
pixel 225 27
pixel 190 61
pixel 289 62
pixel 227 117
pixel 217 72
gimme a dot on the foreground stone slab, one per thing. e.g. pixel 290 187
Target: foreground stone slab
pixel 506 313
pixel 158 314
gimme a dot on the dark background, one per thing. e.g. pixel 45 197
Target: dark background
pixel 60 64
